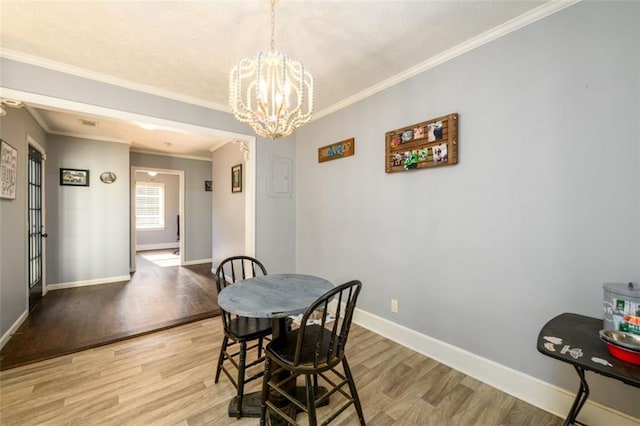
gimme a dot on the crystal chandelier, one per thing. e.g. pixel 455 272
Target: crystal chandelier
pixel 271 92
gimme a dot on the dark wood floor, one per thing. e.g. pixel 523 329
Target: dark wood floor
pixel 75 319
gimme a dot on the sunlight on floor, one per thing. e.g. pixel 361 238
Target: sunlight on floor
pixel 162 259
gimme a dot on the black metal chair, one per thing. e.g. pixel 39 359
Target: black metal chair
pixel 240 330
pixel 313 351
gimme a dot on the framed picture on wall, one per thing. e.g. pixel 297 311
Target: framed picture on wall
pixel 236 178
pixel 432 143
pixel 74 177
pixel 8 171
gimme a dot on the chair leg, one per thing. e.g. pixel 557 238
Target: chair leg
pixel 223 348
pixel 259 347
pixel 265 391
pixel 241 368
pixel 354 392
pixel 311 399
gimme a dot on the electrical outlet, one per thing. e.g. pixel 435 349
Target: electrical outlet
pixel 394 306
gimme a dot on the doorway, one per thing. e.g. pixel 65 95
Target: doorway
pixel 165 232
pixel 35 222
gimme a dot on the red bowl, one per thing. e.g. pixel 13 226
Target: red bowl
pixel 627 355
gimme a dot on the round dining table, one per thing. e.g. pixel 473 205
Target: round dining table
pixel 273 296
pixel 270 296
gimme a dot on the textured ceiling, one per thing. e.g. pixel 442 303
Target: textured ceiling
pixel 185 49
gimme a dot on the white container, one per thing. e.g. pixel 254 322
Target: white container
pixel 621 307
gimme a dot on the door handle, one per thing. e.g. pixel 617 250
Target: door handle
pixel 45 235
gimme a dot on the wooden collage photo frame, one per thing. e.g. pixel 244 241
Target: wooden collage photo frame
pixel 432 143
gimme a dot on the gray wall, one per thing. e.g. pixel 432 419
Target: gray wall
pixel 197 202
pixel 228 207
pixel 276 216
pixel 88 227
pixel 14 128
pixel 168 235
pixel 541 210
pixel 275 213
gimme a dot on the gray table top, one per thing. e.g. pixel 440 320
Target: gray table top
pixel 273 296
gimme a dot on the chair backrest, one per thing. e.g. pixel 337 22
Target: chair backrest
pixel 237 268
pixel 325 325
pixel 234 269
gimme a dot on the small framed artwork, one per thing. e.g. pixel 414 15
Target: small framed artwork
pixel 208 185
pixel 8 171
pixel 236 178
pixel 74 177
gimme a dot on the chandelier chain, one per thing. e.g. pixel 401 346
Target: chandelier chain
pixel 273 25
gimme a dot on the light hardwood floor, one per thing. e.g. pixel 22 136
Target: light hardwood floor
pixel 166 378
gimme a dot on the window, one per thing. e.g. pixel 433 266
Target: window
pixel 149 205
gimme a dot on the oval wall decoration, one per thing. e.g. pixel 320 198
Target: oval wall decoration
pixel 108 177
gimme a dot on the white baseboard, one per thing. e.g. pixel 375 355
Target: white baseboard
pixel 16 325
pixel 195 262
pixel 85 283
pixel 536 392
pixel 159 246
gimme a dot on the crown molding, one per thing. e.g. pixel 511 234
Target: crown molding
pixel 89 137
pixel 36 116
pixel 219 145
pixel 104 78
pixel 42 123
pixel 164 154
pixel 501 30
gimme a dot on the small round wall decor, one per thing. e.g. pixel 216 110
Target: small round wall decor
pixel 108 177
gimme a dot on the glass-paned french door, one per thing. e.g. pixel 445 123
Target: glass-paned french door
pixel 35 225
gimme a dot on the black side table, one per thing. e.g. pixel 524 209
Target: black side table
pixel 574 339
